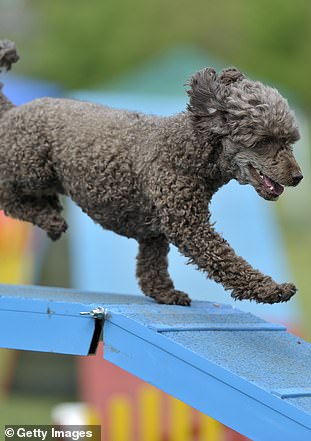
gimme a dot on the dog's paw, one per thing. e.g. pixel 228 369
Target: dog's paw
pixel 284 292
pixel 271 293
pixel 277 294
pixel 173 297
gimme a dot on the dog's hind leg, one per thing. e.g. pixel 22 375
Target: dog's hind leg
pixel 152 272
pixel 43 211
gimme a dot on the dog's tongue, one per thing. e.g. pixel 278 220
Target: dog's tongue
pixel 272 186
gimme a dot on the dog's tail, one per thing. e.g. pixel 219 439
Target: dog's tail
pixel 8 56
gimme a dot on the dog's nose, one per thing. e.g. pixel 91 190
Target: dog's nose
pixel 297 178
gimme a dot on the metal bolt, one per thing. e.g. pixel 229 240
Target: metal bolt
pixel 97 313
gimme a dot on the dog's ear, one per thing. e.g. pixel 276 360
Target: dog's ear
pixel 8 54
pixel 230 75
pixel 208 90
pixel 202 92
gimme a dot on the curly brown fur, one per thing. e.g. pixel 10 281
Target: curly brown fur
pixel 152 178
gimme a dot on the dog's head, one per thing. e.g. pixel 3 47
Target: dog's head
pixel 252 124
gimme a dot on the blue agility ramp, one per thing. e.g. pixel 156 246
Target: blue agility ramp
pixel 247 373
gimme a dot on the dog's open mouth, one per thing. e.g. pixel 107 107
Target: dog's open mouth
pixel 270 187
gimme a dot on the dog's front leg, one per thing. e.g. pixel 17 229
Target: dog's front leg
pixel 152 272
pixel 211 253
pixel 186 225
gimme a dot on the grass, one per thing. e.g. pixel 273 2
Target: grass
pixel 26 409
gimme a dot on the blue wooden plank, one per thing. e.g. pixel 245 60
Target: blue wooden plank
pixel 227 362
pixel 256 382
pixel 40 319
pixel 220 396
pixel 219 372
pixel 48 319
pixel 45 333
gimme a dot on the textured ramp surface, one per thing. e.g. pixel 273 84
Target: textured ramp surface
pixel 247 373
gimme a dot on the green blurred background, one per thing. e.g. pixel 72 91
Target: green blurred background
pixel 81 44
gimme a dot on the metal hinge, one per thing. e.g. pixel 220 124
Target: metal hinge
pixel 99 314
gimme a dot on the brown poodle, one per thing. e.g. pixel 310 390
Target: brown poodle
pixel 152 178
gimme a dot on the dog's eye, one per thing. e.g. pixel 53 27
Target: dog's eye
pixel 265 141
